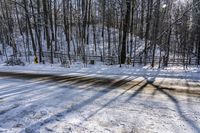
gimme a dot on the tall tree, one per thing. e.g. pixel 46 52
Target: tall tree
pixel 126 25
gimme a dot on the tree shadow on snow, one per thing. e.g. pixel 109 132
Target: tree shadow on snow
pixel 113 85
pixel 164 90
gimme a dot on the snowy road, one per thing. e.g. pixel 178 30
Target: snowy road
pixel 34 103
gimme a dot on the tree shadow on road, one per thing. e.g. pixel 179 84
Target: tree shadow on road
pixel 141 88
pixel 113 85
pixel 168 92
pixel 112 100
pixel 189 121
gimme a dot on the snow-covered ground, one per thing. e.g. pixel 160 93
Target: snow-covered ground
pixel 76 104
pixel 99 98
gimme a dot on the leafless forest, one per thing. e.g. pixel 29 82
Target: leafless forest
pixel 167 31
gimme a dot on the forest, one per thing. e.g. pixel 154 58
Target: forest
pixel 148 32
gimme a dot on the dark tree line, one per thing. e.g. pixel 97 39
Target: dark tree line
pixel 169 30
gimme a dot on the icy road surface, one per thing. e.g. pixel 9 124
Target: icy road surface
pixel 32 103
